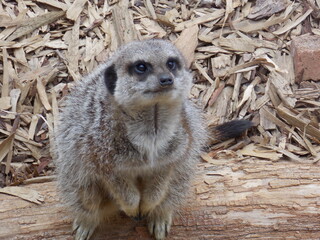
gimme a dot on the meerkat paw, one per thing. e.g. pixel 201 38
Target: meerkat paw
pixel 131 211
pixel 159 227
pixel 131 206
pixel 83 231
pixel 145 209
pixel 150 201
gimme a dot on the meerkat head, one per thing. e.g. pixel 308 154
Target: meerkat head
pixel 147 72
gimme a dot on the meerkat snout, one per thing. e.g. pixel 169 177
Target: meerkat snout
pixel 165 80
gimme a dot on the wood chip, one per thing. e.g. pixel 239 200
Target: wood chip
pixel 264 8
pixel 203 19
pixel 187 43
pixel 5 146
pixel 256 151
pixel 296 121
pixel 123 23
pixel 5 79
pixel 5 103
pixel 34 23
pixel 75 9
pixel 293 24
pixel 55 4
pixel 42 94
pixel 24 193
pixel 237 51
pixel 253 26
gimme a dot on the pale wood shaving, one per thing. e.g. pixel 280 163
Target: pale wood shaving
pixel 24 193
pixel 293 24
pixel 187 42
pixel 264 9
pixel 75 9
pixel 34 23
pixel 238 52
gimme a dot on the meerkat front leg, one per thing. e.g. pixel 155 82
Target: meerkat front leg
pixel 87 221
pixel 84 228
pixel 89 204
pixel 96 203
pixel 126 194
pixel 160 218
pixel 154 189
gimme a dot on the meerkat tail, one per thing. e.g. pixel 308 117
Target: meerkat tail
pixel 228 130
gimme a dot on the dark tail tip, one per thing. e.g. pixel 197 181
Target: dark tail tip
pixel 232 129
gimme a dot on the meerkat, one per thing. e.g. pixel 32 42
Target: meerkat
pixel 128 139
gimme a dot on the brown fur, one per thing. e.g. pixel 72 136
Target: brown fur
pixel 125 144
pixel 127 141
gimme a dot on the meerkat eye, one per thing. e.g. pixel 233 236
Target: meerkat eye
pixel 172 64
pixel 140 68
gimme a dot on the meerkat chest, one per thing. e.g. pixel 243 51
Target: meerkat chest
pixel 152 135
pixel 150 143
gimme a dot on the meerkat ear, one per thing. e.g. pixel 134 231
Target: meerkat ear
pixel 110 78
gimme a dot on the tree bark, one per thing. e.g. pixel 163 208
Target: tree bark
pixel 229 199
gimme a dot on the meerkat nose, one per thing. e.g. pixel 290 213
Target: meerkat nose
pixel 165 80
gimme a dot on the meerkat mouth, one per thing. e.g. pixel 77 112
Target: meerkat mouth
pixel 158 90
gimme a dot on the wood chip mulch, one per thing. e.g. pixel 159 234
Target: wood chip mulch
pixel 239 52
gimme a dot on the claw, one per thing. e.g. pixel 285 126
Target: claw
pixel 160 231
pixel 139 217
pixel 151 227
pixel 81 231
pixel 75 228
pixel 160 227
pixel 168 229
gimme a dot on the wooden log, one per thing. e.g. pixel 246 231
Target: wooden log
pixel 230 199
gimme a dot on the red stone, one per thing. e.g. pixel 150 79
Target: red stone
pixel 305 50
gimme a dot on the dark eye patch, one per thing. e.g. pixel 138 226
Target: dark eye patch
pixel 173 64
pixel 139 68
